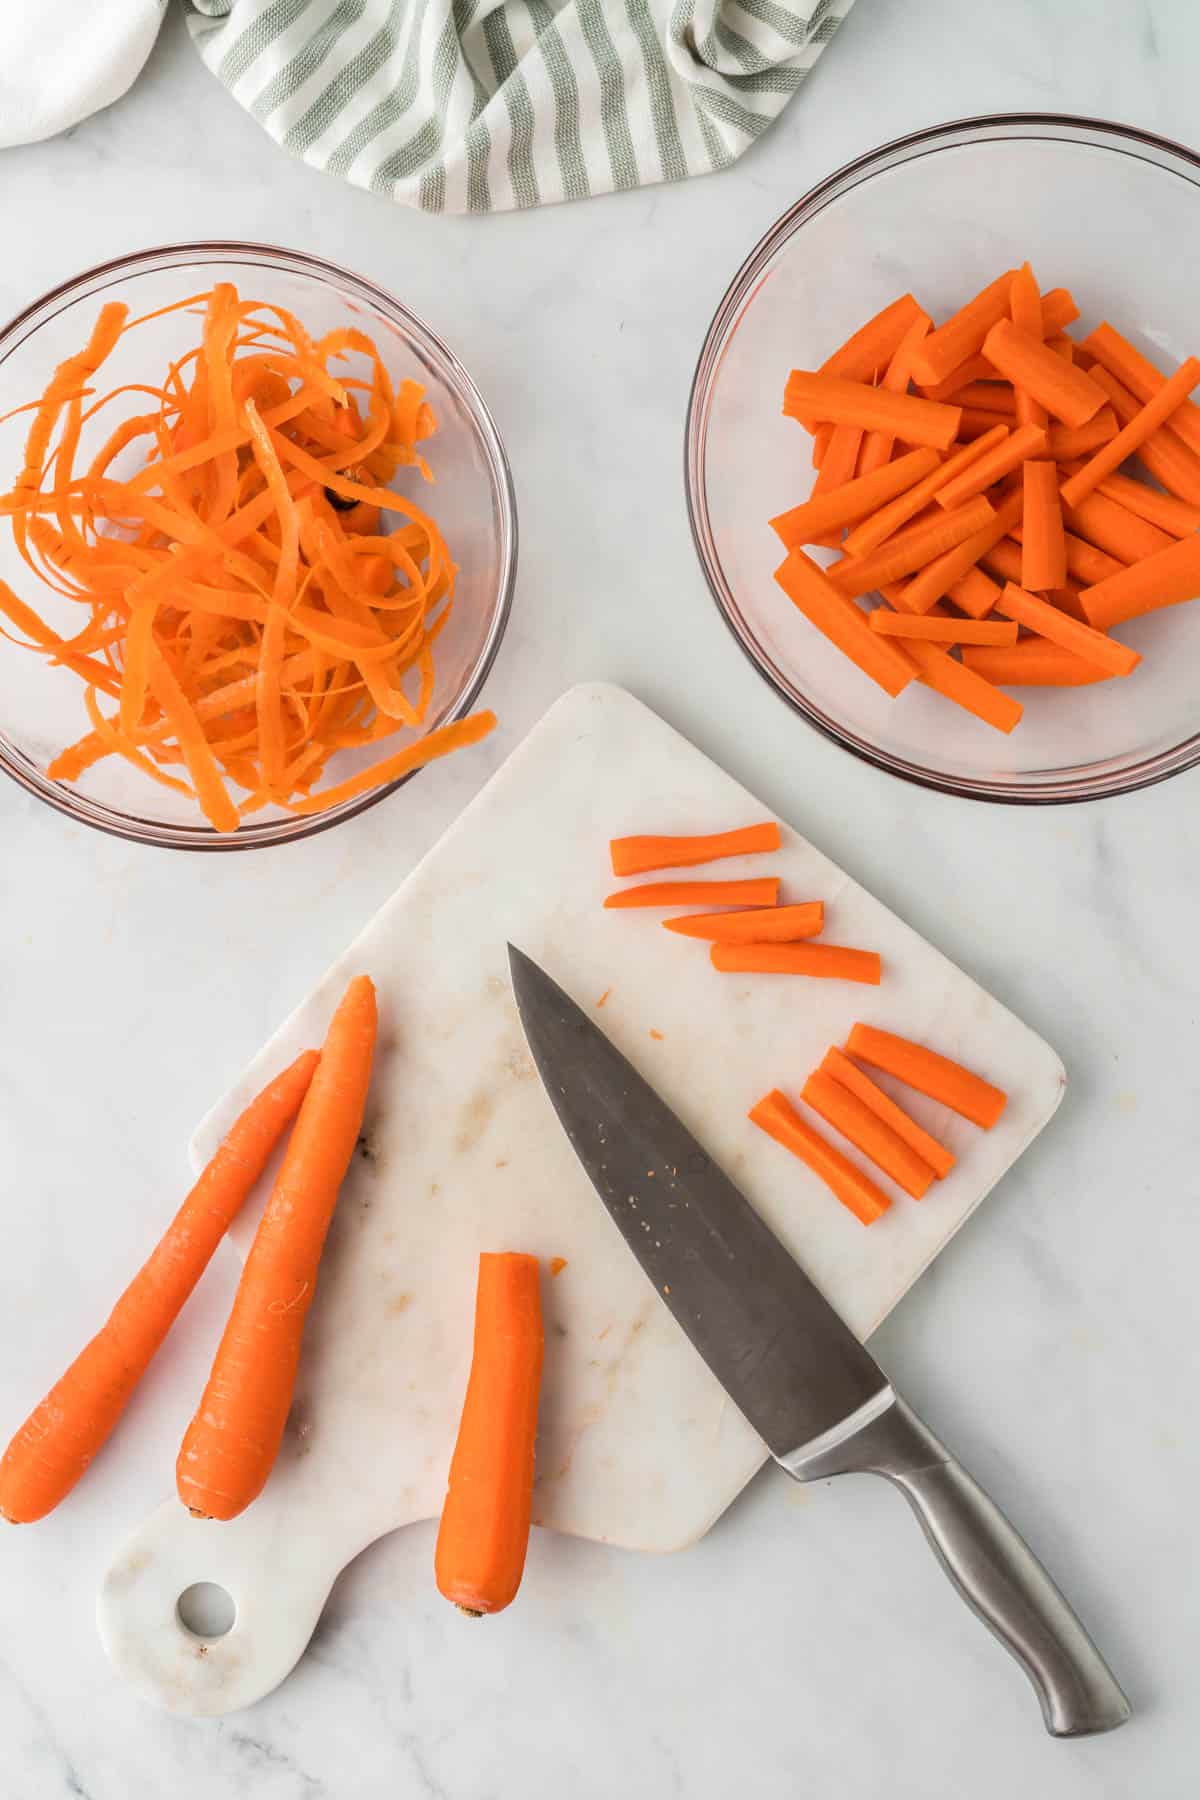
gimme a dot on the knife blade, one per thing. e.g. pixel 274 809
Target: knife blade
pixel 815 1395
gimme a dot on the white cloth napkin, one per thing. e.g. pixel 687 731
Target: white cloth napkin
pixel 63 59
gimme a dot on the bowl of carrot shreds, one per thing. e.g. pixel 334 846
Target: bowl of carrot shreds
pixel 943 457
pixel 257 547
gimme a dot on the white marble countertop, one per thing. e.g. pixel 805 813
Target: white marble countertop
pixel 809 1640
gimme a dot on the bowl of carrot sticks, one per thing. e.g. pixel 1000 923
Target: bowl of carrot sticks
pixel 257 547
pixel 943 458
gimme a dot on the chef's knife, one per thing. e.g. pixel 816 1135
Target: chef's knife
pixel 817 1398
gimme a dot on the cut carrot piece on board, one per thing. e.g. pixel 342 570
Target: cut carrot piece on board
pixel 942 629
pixel 868 1133
pixel 760 925
pixel 776 1115
pixel 841 621
pixel 1043 545
pixel 954 681
pixel 1082 640
pixel 54 1447
pixel 1024 442
pixel 929 1073
pixel 1167 578
pixel 1156 412
pixel 830 962
pixel 818 516
pixel 1065 391
pixel 231 1444
pixel 761 891
pixel 838 1066
pixel 639 855
pixel 1033 662
pixel 963 334
pixel 841 402
pixel 909 549
pixel 1142 378
pixel 557 1265
pixel 484 1531
pixel 879 526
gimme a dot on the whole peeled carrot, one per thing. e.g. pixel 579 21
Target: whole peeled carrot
pixel 57 1442
pixel 484 1532
pixel 232 1442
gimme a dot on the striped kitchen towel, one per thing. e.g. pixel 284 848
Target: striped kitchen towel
pixel 489 105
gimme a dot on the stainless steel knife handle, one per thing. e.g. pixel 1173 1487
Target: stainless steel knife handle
pixel 989 1563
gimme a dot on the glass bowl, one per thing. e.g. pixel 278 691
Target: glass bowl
pixel 1110 212
pixel 41 707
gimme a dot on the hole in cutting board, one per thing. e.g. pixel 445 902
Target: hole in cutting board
pixel 206 1610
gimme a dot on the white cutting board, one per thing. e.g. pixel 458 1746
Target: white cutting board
pixel 462 1152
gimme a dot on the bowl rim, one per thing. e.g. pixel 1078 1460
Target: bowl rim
pixel 1069 788
pixel 253 835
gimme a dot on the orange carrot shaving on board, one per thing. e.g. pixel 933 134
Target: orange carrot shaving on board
pixel 835 615
pixel 761 925
pixel 761 891
pixel 838 1066
pixel 231 1444
pixel 776 1115
pixel 830 397
pixel 929 1073
pixel 640 855
pixel 855 500
pixel 1167 578
pixel 54 1447
pixel 868 1133
pixel 942 630
pixel 484 1531
pixel 1065 391
pixel 1043 545
pixel 964 332
pixel 1033 663
pixel 557 1265
pixel 1082 640
pixel 830 962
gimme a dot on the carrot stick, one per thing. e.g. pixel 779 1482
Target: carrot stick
pixel 1137 373
pixel 1062 389
pixel 776 1115
pixel 1066 598
pixel 974 368
pixel 839 461
pixel 877 446
pixel 761 892
pixel 58 1441
pixel 1043 546
pixel 963 334
pixel 819 515
pixel 1004 559
pixel 639 855
pixel 868 1133
pixel 764 925
pixel 1083 640
pixel 909 549
pixel 1063 346
pixel 1065 444
pixel 830 397
pixel 1085 562
pixel 1165 579
pixel 835 614
pixel 832 962
pixel 484 1531
pixel 871 347
pixel 938 576
pixel 822 438
pixel 976 423
pixel 954 681
pixel 1025 310
pixel 1108 525
pixel 881 525
pixel 1025 441
pixel 1033 663
pixel 1166 457
pixel 989 396
pixel 837 1065
pixel 943 630
pixel 1132 436
pixel 1058 311
pixel 929 1073
pixel 975 593
pixel 232 1442
pixel 1163 510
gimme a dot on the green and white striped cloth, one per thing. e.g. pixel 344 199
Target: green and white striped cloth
pixel 490 105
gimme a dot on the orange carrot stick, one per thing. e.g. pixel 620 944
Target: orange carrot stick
pixel 1140 376
pixel 831 962
pixel 1066 598
pixel 830 397
pixel 1025 441
pixel 231 1444
pixel 1062 389
pixel 871 347
pixel 974 593
pixel 1165 456
pixel 929 1073
pixel 881 525
pixel 835 614
pixel 818 516
pixel 484 1531
pixel 639 855
pixel 976 423
pixel 877 446
pixel 942 629
pixel 822 438
pixel 1083 640
pixel 1085 562
pixel 939 576
pixel 963 334
pixel 840 460
pixel 1033 663
pixel 1065 444
pixel 1043 546
pixel 763 891
pixel 1025 310
pixel 868 1133
pixel 1058 311
pixel 766 925
pixel 1170 515
pixel 56 1444
pixel 776 1115
pixel 975 368
pixel 989 396
pixel 1132 436
pixel 909 549
pixel 954 681
pixel 1108 525
pixel 1165 579
pixel 837 1065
